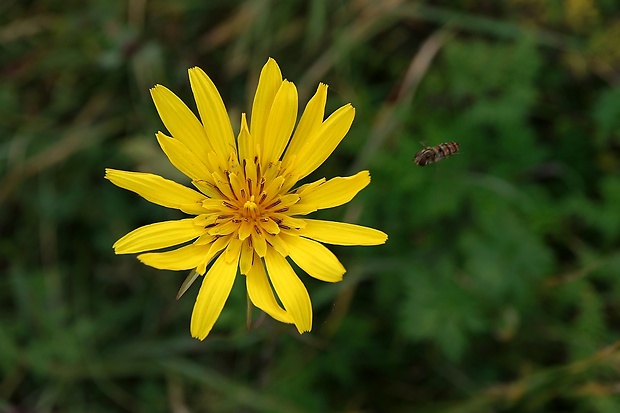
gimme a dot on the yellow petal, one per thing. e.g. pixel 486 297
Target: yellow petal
pixel 268 84
pixel 180 121
pixel 306 188
pixel 184 258
pixel 245 230
pixel 213 205
pixel 280 123
pixel 233 251
pixel 225 228
pixel 305 207
pixel 315 259
pixel 261 293
pixel 247 258
pixel 277 243
pixel 302 209
pixel 238 185
pixel 212 113
pixel 214 248
pixel 207 187
pixel 182 158
pixel 244 141
pixel 341 233
pixel 310 121
pixel 272 188
pixel 213 294
pixel 286 222
pixel 324 140
pixel 158 235
pixel 205 239
pixel 222 185
pixel 290 290
pixel 269 226
pixel 205 219
pixel 156 189
pixel 259 243
pixel 335 192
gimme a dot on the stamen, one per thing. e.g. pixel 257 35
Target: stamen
pixel 281 210
pixel 258 231
pixel 229 205
pixel 223 216
pixel 284 226
pixel 213 186
pixel 249 181
pixel 278 201
pixel 262 184
pixel 263 196
pixel 230 184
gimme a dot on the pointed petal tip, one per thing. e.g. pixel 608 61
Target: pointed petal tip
pixel 195 71
pixel 198 336
pixel 385 239
pixel 244 122
pixel 271 62
pixel 111 173
pixel 303 329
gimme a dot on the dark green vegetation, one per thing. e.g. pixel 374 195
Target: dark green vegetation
pixel 498 290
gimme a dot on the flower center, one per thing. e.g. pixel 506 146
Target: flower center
pixel 250 208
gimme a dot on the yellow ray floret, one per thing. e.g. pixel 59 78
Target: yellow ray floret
pixel 184 258
pixel 184 159
pixel 322 142
pixel 212 113
pixel 290 289
pixel 261 294
pixel 158 190
pixel 157 236
pixel 315 259
pixel 213 293
pixel 340 233
pixel 333 193
pixel 180 121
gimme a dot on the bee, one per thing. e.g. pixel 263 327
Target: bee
pixel 432 154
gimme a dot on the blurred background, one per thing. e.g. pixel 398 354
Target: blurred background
pixel 497 291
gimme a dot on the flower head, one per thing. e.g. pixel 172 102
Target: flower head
pixel 247 217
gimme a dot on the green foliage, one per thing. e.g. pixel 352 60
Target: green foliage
pixel 496 291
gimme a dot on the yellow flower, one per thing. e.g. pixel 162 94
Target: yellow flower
pixel 247 216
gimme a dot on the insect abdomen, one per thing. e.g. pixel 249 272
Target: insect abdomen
pixel 432 154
